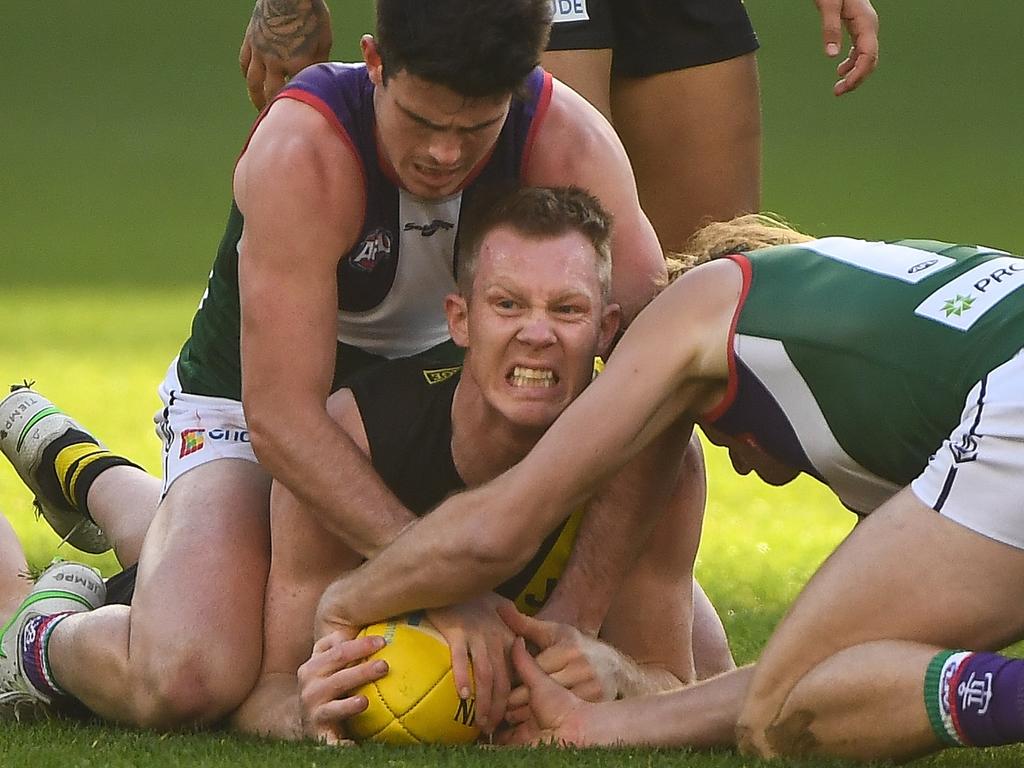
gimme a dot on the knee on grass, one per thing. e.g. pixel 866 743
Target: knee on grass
pixel 186 692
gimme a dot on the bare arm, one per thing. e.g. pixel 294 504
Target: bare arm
pixel 291 183
pixel 671 364
pixel 283 37
pixel 576 145
pixel 701 716
pixel 615 528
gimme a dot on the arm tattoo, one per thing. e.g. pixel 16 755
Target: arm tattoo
pixel 285 28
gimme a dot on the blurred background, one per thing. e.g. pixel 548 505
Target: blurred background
pixel 121 122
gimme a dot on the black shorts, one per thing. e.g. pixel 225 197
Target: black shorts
pixel 121 586
pixel 648 37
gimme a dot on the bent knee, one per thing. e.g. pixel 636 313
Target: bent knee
pixel 188 692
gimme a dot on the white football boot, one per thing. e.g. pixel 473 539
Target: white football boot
pixel 62 587
pixel 28 424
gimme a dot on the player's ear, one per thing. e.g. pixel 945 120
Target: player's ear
pixel 374 66
pixel 611 319
pixel 457 312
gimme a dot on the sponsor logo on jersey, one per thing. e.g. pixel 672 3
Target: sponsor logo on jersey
pixel 192 440
pixel 427 230
pixel 569 10
pixel 437 375
pixel 963 301
pixel 910 265
pixel 374 249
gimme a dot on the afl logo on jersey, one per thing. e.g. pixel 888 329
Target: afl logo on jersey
pixel 376 247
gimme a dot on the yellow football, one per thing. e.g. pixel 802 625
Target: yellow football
pixel 416 701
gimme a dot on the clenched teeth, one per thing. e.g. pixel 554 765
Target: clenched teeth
pixel 532 377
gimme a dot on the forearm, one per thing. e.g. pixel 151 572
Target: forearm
pixel 320 464
pixel 615 528
pixel 439 560
pixel 700 716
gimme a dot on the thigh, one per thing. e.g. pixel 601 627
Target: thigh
pixel 198 601
pixel 694 139
pixel 904 573
pixel 306 558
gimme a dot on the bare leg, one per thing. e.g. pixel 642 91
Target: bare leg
pixel 905 572
pixel 864 703
pixel 188 650
pixel 123 502
pixel 14 585
pixel 694 139
pixel 306 559
pixel 586 72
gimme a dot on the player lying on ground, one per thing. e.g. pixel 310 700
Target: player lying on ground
pixel 678 80
pixel 427 437
pixel 338 255
pixel 533 309
pixel 892 372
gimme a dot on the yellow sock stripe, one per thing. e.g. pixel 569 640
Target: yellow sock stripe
pixel 81 454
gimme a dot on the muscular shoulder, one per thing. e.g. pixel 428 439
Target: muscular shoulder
pixel 295 154
pixel 573 141
pixel 704 301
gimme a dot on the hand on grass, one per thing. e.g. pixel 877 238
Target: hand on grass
pixel 555 715
pixel 577 662
pixel 326 679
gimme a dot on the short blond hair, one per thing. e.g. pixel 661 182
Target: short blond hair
pixel 739 235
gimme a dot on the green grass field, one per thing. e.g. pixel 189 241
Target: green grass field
pixel 120 127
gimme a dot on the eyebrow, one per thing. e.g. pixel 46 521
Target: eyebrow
pixel 435 126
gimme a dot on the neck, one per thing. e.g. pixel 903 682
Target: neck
pixel 484 443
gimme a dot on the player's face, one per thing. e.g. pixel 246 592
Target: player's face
pixel 747 456
pixel 534 322
pixel 433 137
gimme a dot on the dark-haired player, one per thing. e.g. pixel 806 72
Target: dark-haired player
pixel 339 253
pixel 662 72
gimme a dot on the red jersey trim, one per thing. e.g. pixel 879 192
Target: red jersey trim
pixel 729 397
pixel 320 106
pixel 543 102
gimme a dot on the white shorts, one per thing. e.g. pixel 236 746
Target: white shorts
pixel 977 477
pixel 196 429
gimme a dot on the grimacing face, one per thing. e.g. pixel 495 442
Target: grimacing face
pixel 533 323
pixel 432 137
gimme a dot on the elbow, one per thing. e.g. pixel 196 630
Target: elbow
pixel 261 434
pixel 495 554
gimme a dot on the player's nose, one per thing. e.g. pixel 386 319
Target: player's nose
pixel 536 330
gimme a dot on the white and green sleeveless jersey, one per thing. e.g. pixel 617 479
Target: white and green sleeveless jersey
pixel 851 360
